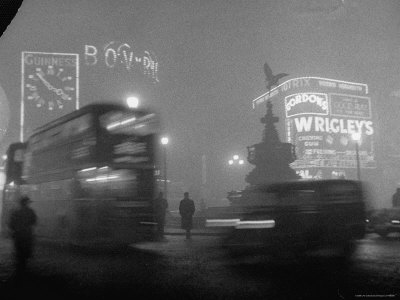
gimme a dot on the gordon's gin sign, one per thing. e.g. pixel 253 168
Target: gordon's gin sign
pixel 306 103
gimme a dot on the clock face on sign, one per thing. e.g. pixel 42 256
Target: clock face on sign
pixel 50 81
pixel 50 88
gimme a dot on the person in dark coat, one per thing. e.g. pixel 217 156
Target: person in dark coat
pixel 160 207
pixel 186 210
pixel 396 198
pixel 21 223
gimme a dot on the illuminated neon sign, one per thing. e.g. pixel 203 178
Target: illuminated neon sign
pixel 312 82
pixel 116 54
pixel 318 124
pixel 320 116
pixel 49 87
pixel 303 103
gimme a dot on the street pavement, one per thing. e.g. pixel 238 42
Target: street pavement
pixel 177 268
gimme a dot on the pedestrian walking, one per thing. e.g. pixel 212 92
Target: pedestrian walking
pixel 396 198
pixel 21 223
pixel 160 207
pixel 186 210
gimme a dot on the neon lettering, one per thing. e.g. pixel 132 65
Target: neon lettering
pixel 368 127
pixel 90 55
pixel 322 102
pixel 115 53
pixel 342 127
pixel 110 57
pixel 350 126
pixel 29 59
pixel 320 124
pixel 334 125
pixel 303 124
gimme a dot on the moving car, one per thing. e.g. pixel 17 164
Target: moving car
pixel 383 221
pixel 303 217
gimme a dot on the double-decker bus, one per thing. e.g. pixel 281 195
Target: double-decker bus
pixel 90 175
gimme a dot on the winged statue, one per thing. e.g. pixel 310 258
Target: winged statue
pixel 271 79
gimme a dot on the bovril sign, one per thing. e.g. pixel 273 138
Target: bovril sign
pixel 306 103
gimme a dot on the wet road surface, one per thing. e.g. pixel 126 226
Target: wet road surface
pixel 200 269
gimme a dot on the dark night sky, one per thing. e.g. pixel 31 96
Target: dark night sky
pixel 210 56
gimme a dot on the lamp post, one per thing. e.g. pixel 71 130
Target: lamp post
pixel 356 136
pixel 164 142
pixel 235 161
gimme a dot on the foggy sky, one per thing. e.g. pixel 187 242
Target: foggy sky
pixel 210 56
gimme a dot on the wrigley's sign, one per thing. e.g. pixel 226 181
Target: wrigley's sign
pixel 320 116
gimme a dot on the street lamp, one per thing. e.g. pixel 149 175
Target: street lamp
pixel 356 136
pixel 164 142
pixel 132 101
pixel 235 161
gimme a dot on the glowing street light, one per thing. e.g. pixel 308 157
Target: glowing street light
pixel 164 142
pixel 356 136
pixel 236 164
pixel 235 160
pixel 132 101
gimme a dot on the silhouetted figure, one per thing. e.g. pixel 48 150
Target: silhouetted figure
pixel 396 198
pixel 160 206
pixel 186 210
pixel 21 223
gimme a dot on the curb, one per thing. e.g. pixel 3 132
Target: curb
pixel 193 232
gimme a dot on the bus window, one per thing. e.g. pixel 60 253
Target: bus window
pixel 80 125
pixel 129 123
pixel 14 163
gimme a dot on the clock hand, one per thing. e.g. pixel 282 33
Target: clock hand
pixel 46 83
pixel 59 92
